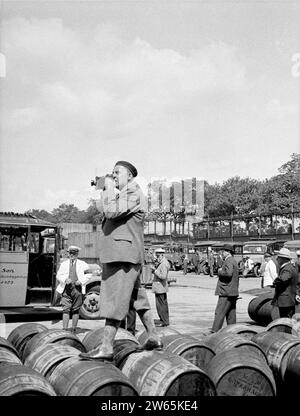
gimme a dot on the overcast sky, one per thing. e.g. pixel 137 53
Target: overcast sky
pixel 179 88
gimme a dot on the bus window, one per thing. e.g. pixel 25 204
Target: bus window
pixel 13 240
pixel 4 242
pixel 33 242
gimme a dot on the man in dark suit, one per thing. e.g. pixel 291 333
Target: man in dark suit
pixel 122 257
pixel 227 289
pixel 160 287
pixel 287 285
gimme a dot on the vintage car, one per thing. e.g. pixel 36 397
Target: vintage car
pixel 293 246
pixel 256 249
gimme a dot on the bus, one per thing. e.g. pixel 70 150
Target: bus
pixel 30 253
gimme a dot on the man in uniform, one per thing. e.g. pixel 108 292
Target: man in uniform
pixel 122 257
pixel 71 285
pixel 227 289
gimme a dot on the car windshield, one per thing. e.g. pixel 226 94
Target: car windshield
pixel 254 248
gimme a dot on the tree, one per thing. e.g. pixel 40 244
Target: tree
pixel 235 196
pixel 92 215
pixel 68 213
pixel 282 192
pixel 41 214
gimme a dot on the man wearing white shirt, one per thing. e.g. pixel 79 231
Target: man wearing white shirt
pixel 71 279
pixel 270 272
pixel 249 264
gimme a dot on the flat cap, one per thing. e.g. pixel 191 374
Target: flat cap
pixel 228 247
pixel 284 252
pixel 73 248
pixel 159 250
pixel 129 166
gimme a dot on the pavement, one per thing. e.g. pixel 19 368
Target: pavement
pixel 191 306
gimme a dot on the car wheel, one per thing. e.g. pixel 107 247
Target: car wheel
pixel 90 308
pixel 206 270
pixel 171 265
pixel 256 270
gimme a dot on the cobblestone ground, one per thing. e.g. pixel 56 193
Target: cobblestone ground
pixel 191 305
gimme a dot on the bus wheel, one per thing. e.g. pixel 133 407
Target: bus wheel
pixel 90 308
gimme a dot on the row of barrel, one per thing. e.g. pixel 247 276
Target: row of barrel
pixel 239 360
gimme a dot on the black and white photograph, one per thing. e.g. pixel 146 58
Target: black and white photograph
pixel 149 203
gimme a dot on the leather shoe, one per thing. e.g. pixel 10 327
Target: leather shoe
pixel 152 344
pixel 96 354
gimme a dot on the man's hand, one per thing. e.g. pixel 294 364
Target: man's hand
pixel 109 182
pixel 77 283
pixel 68 281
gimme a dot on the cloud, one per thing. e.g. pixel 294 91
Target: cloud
pixel 75 101
pixel 103 85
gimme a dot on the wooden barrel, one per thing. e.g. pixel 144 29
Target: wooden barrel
pixel 75 377
pixel 258 329
pixel 7 356
pixel 281 325
pixel 7 345
pixel 296 329
pixel 19 380
pixel 122 349
pixel 46 357
pixel 162 331
pixel 94 338
pixel 238 372
pixel 23 333
pixel 246 331
pixel 292 372
pixel 277 347
pixel 157 373
pixel 195 351
pixel 260 309
pixel 221 341
pixel 52 336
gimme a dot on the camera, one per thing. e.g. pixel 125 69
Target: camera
pixel 99 181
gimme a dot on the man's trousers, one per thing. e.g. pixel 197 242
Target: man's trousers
pixel 226 308
pixel 162 307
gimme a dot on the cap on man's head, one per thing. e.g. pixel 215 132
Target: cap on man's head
pixel 159 250
pixel 73 249
pixel 129 166
pixel 284 252
pixel 228 247
pixel 267 255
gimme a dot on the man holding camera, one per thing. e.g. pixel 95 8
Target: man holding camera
pixel 122 257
